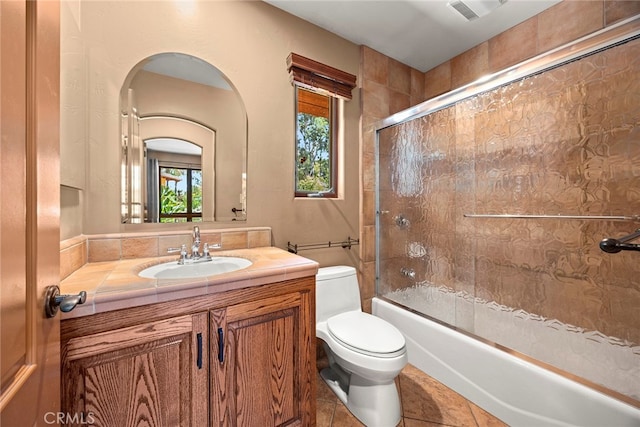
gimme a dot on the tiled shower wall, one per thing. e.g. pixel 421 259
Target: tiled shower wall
pixel 564 142
pixel 389 87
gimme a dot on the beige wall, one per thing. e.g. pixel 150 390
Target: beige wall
pixel 249 42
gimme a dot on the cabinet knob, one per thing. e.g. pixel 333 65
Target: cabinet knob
pixel 53 301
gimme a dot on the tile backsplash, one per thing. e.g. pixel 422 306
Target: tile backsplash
pixel 77 251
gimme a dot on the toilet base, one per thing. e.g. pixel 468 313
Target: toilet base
pixel 375 405
pixel 333 381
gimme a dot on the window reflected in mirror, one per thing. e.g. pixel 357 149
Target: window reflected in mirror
pixel 174 180
pixel 180 194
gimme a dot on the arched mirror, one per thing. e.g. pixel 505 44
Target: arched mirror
pixel 184 143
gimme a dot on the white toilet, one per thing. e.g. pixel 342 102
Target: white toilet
pixel 365 353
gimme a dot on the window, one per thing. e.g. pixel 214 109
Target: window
pixel 316 153
pixel 180 194
pixel 318 91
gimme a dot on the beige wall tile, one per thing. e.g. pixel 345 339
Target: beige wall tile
pixel 437 80
pixel 368 208
pixel 234 240
pixel 72 258
pixel 172 242
pixel 258 239
pixel 139 247
pixel 376 105
pixel 369 243
pixel 470 65
pixel 560 24
pixel 417 87
pixel 104 250
pixel 513 46
pixel 368 280
pixel 110 248
pixel 367 305
pixel 368 140
pixel 212 239
pixel 399 77
pixel 376 66
pixel 368 178
pixel 398 101
pixel 617 10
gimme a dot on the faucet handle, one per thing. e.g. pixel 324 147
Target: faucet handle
pixel 183 253
pixel 408 272
pixel 205 250
pixel 175 250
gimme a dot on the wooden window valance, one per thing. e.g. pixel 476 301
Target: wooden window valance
pixel 314 75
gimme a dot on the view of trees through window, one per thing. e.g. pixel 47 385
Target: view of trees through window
pixel 180 194
pixel 314 143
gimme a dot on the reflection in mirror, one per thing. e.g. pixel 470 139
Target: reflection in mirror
pixel 183 137
pixel 174 180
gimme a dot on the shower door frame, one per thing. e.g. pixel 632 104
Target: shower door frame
pixel 617 34
pixel 606 38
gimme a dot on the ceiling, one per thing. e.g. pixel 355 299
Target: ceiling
pixel 186 67
pixel 418 33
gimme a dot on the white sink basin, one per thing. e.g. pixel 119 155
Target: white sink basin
pixel 217 265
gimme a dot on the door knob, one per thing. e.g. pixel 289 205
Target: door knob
pixel 53 301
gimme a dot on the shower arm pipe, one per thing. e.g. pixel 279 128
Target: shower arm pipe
pixel 613 246
pixel 345 244
pixel 578 217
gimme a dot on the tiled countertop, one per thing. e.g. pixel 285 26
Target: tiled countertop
pixel 114 285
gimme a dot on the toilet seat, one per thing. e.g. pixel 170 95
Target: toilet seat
pixel 366 334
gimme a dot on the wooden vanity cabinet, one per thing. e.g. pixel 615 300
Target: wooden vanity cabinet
pixel 239 358
pixel 146 374
pixel 260 363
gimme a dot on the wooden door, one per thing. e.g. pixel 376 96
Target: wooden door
pixel 261 369
pixel 29 211
pixel 153 374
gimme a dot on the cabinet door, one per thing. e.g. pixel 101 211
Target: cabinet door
pixel 260 363
pixel 151 374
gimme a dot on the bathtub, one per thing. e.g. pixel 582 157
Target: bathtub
pixel 516 391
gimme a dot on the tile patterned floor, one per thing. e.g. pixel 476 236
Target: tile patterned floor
pixel 425 403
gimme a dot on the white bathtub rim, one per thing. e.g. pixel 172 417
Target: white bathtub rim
pixel 590 407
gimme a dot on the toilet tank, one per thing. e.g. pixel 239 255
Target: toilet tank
pixel 337 291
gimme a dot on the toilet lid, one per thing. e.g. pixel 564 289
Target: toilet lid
pixel 366 334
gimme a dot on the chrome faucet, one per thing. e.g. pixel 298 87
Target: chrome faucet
pixel 195 255
pixel 195 247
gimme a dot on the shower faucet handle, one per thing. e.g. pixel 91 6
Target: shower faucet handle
pixel 408 272
pixel 401 221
